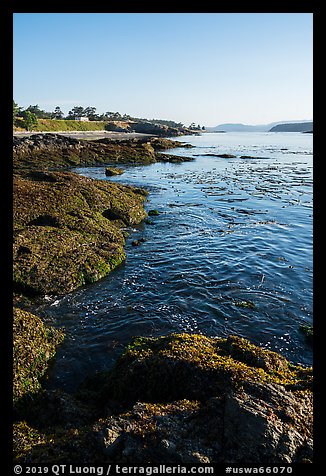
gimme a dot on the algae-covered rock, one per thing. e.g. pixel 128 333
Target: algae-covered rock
pixel 196 367
pixel 180 399
pixel 34 344
pixel 206 400
pixel 153 213
pixel 174 159
pixel 67 229
pixel 26 439
pixel 308 331
pixel 41 151
pixel 112 171
pixel 53 446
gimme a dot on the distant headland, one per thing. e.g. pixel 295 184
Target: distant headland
pixel 281 126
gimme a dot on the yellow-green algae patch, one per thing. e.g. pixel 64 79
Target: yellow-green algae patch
pixel 27 439
pixel 196 367
pixel 67 230
pixel 34 344
pixel 59 445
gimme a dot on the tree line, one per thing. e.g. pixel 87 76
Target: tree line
pixel 28 117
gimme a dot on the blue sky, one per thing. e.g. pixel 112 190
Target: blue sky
pixel 207 68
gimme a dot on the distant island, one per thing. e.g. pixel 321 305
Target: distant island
pixel 238 127
pixel 294 127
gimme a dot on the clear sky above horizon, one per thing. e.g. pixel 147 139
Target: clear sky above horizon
pixel 207 68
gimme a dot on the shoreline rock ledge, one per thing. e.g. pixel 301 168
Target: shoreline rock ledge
pixel 42 151
pixel 180 398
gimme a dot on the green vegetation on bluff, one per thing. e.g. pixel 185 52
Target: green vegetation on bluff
pixel 62 125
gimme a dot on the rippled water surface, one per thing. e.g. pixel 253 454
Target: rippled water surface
pixel 229 253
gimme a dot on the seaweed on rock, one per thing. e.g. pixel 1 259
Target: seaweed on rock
pixel 185 398
pixel 67 230
pixel 34 345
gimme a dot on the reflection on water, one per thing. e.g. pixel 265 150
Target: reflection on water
pixel 229 253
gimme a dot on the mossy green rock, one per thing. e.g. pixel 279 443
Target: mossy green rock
pixel 58 446
pixel 34 344
pixel 67 229
pixel 153 213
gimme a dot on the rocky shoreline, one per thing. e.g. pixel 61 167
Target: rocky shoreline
pixel 68 229
pixel 175 399
pixel 43 151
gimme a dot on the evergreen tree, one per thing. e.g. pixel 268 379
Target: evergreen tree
pixel 77 111
pixel 57 113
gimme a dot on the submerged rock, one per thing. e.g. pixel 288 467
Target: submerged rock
pixel 153 213
pixel 174 159
pixel 223 156
pixel 308 331
pixel 138 242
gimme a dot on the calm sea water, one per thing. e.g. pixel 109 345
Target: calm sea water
pixel 229 253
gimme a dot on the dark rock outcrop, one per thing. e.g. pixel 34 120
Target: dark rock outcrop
pixel 42 151
pixel 161 129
